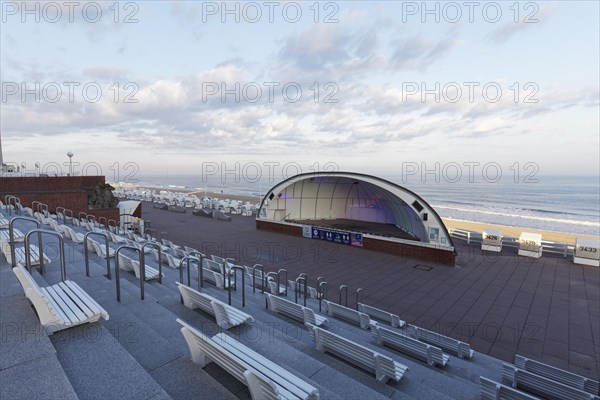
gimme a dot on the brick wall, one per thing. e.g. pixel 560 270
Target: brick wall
pixel 62 191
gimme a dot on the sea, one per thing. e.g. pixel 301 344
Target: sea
pixel 553 203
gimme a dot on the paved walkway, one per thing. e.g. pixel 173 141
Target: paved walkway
pixel 547 309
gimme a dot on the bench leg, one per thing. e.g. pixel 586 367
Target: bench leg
pixel 197 355
pixel 379 375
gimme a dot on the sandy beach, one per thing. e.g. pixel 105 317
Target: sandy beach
pixel 450 223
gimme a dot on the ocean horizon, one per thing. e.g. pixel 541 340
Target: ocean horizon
pixel 565 204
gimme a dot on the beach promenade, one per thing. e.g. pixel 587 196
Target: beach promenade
pixel 547 308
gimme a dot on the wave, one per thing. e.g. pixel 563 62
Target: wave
pixel 521 216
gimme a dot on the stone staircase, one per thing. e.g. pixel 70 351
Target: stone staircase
pixel 139 353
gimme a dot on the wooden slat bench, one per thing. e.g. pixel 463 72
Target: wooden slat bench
pixel 20 254
pixel 557 374
pixel 129 264
pixel 59 306
pixel 264 378
pixel 381 315
pixel 430 354
pixel 225 315
pixel 347 314
pixel 295 311
pixel 385 368
pixel 491 390
pixel 542 386
pixel 461 349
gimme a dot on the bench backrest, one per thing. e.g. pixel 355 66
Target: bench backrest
pixel 44 308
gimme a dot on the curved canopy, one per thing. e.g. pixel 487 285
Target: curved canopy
pixel 357 197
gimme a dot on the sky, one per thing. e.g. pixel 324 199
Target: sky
pixel 153 88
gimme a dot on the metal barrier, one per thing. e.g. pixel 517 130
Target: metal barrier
pixel 86 252
pixel 200 267
pixel 142 261
pixel 284 280
pixel 302 277
pixel 156 246
pixel 262 274
pixel 343 288
pixel 360 293
pixel 235 268
pixel 187 259
pixel 11 237
pixel 61 242
pixel 321 294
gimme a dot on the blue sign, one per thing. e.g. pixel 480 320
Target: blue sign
pixel 341 237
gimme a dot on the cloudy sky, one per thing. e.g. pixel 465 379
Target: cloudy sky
pixel 365 85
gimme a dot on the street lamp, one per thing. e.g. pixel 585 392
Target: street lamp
pixel 70 155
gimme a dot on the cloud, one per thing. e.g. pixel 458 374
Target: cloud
pixel 530 18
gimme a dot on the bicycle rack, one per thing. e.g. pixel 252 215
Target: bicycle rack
pixel 360 292
pixel 61 242
pixel 11 233
pixel 187 259
pixel 284 280
pixel 142 269
pixel 156 246
pixel 344 288
pixel 302 277
pixel 200 267
pixel 235 268
pixel 262 270
pixel 86 252
pixel 321 294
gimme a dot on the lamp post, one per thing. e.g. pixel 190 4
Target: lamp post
pixel 70 155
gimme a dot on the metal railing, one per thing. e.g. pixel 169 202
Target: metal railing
pixel 11 237
pixel 105 222
pixel 35 205
pixel 303 278
pixel 360 293
pixel 61 243
pixel 343 288
pixel 321 294
pixel 142 262
pixel 262 274
pixel 279 271
pixel 157 247
pixel 187 260
pixel 86 252
pixel 201 258
pixel 266 281
pixel 235 268
pixel 7 200
pixel 67 211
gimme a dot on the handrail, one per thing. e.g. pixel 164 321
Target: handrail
pixel 70 212
pixel 296 289
pixel 60 211
pixel 342 287
pixel 142 269
pixel 360 292
pixel 43 207
pixel 18 205
pixel 100 221
pixel 262 273
pixel 35 205
pixel 61 242
pixel 86 252
pixel 79 215
pixel 234 268
pixel 284 280
pixel 146 233
pixel 7 200
pixel 305 276
pixel 11 237
pixel 93 217
pixel 156 246
pixel 200 267
pixel 320 293
pixel 266 280
pixel 187 259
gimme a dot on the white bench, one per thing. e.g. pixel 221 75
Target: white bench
pixel 461 349
pixel 430 354
pixel 273 287
pixel 59 306
pixel 216 279
pixel 542 386
pixel 17 234
pixel 311 291
pixel 116 238
pixel 264 378
pixel 4 223
pixel 225 315
pixel 129 264
pixel 381 315
pixel 20 254
pixel 557 374
pixel 77 237
pixel 100 249
pixel 172 262
pixel 348 314
pixel 491 390
pixel 385 368
pixel 296 311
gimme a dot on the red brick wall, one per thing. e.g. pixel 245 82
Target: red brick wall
pixel 400 249
pixel 63 191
